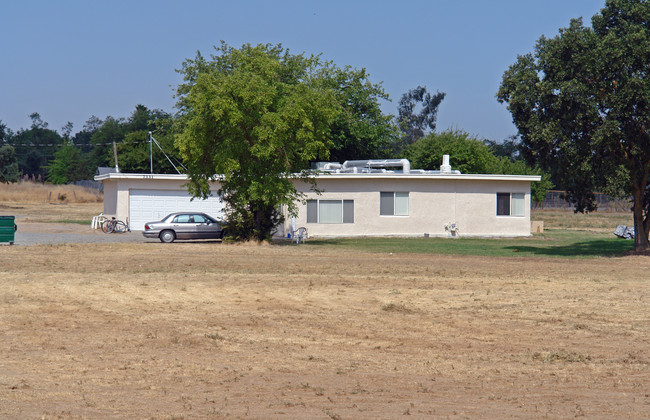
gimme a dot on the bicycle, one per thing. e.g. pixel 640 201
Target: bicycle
pixel 114 225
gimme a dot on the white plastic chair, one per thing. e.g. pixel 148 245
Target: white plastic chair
pixel 300 234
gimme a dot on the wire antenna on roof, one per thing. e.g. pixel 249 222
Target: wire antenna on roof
pixel 153 140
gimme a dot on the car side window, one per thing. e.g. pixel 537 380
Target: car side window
pixel 182 218
pixel 199 219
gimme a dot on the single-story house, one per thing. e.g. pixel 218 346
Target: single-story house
pixel 358 198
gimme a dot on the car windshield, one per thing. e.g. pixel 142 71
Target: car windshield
pixel 206 218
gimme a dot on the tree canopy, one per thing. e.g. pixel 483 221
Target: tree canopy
pixel 257 115
pixel 35 147
pixel 69 164
pixel 470 155
pixel 360 130
pixel 131 136
pixel 416 122
pixel 581 103
pixel 466 153
pixel 8 164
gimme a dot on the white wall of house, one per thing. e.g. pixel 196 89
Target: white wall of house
pixel 434 201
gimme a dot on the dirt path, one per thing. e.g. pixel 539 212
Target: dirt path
pixel 208 331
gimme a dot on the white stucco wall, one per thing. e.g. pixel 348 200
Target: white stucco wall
pixel 433 203
pixel 110 199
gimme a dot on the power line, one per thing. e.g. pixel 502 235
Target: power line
pixel 75 144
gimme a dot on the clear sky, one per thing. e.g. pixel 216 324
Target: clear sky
pixel 71 59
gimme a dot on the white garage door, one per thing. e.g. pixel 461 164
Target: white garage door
pixel 152 205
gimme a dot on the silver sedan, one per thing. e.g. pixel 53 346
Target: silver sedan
pixel 187 225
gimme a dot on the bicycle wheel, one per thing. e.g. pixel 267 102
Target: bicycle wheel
pixel 119 227
pixel 107 226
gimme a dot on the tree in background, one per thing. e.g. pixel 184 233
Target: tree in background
pixel 5 133
pixel 69 165
pixel 471 156
pixel 44 153
pixel 258 115
pixel 8 165
pixel 82 139
pixel 111 130
pixel 416 124
pixel 131 136
pixel 539 189
pixel 135 151
pixel 361 130
pixel 513 163
pixel 581 104
pixel 35 147
pixel 466 153
pixel 508 148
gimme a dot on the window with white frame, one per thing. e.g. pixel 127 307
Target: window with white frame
pixel 330 211
pixel 510 204
pixel 394 203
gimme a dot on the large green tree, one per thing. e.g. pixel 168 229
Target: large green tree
pixel 253 118
pixel 581 103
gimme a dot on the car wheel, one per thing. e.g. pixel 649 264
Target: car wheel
pixel 167 236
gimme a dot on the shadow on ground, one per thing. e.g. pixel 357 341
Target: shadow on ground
pixel 596 248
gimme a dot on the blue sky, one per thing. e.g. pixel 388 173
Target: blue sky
pixel 69 60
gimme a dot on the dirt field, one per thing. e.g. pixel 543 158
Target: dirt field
pixel 195 330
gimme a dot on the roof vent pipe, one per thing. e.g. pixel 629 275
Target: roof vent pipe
pixel 378 163
pixel 445 168
pixel 406 166
pixel 331 165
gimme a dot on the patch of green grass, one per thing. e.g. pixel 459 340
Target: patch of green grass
pixel 552 243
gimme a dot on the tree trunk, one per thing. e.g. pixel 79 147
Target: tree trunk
pixel 641 242
pixel 259 230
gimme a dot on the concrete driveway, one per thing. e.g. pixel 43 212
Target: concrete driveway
pixel 58 233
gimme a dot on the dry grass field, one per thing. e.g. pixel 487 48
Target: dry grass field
pixel 210 330
pixel 597 221
pixel 36 192
pixel 36 202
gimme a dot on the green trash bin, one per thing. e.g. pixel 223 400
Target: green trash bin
pixel 7 229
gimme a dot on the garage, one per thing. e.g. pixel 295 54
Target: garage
pixel 152 205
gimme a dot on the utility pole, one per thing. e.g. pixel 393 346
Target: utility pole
pixel 151 151
pixel 117 168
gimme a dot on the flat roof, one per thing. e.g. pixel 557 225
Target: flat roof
pixel 384 175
